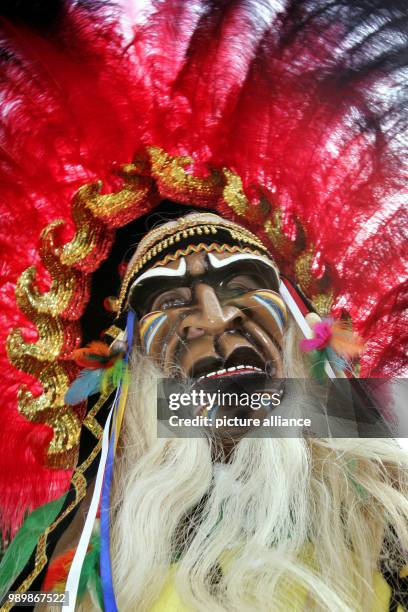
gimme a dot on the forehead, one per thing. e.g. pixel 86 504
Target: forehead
pixel 196 264
pixel 207 264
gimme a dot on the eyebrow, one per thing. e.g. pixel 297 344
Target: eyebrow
pixel 221 263
pixel 161 272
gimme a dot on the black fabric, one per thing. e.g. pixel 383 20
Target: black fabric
pixel 399 590
pixel 87 444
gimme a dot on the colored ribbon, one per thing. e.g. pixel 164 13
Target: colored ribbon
pixel 290 300
pixel 119 406
pixel 78 560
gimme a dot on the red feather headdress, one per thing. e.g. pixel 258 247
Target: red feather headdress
pixel 288 121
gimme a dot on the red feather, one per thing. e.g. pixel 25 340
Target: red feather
pixel 282 96
pixel 57 571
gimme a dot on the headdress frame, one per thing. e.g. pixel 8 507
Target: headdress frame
pixel 153 177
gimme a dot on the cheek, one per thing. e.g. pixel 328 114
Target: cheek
pixel 266 309
pixel 158 336
pixel 152 328
pixel 271 311
pixel 270 349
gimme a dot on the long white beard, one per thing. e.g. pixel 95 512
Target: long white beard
pixel 247 534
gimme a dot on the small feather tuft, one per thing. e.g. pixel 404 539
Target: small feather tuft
pixel 114 376
pixel 88 383
pixel 96 355
pixel 344 341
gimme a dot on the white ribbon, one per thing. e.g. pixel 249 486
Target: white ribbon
pixel 301 321
pixel 78 560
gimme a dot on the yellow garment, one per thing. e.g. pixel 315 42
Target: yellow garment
pixel 169 600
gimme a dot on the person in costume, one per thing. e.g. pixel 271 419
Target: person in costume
pixel 292 147
pixel 250 524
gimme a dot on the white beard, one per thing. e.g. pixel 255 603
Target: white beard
pixel 257 516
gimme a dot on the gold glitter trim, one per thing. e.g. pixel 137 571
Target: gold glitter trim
pixel 90 422
pixel 56 312
pixel 323 302
pixel 281 243
pixel 174 181
pixel 234 194
pixel 303 271
pixel 315 289
pixel 113 332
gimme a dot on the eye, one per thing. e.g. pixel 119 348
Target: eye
pixel 240 284
pixel 173 298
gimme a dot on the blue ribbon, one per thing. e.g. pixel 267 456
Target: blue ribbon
pixel 105 560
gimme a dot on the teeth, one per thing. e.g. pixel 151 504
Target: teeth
pixel 232 369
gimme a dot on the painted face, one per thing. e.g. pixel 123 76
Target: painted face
pixel 212 315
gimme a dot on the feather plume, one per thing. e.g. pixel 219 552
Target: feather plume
pixel 90 578
pixel 57 571
pixel 25 541
pixel 332 341
pixel 114 376
pixel 289 95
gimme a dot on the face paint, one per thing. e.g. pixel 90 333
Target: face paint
pixel 149 326
pixel 227 261
pixel 161 272
pixel 275 306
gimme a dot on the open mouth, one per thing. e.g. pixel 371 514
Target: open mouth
pixel 242 361
pixel 232 382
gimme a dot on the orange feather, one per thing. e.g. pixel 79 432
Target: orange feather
pixel 94 356
pixel 344 341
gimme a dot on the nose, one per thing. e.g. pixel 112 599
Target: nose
pixel 209 316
